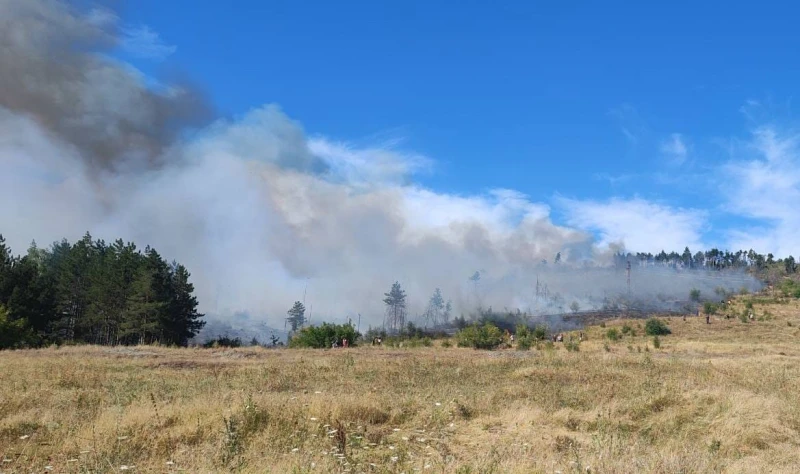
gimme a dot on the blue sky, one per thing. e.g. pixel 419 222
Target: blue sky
pixel 612 114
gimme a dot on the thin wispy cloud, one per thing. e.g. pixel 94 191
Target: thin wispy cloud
pixel 615 179
pixel 636 224
pixel 766 185
pixel 143 42
pixel 631 124
pixel 675 149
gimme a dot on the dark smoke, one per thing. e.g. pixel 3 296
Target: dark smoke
pixel 56 68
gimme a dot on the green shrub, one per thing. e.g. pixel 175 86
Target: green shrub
pixel 223 341
pixel 626 329
pixel 524 343
pixel 446 343
pixel 487 336
pixel 694 295
pixel 656 327
pixel 613 335
pixel 539 333
pixel 322 336
pixel 710 308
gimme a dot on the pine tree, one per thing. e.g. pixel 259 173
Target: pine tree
pixel 141 316
pixel 182 321
pixel 395 301
pixel 297 316
pixel 435 308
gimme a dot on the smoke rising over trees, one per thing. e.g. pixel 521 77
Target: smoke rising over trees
pixel 251 204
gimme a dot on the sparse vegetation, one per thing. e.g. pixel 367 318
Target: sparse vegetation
pixel 656 342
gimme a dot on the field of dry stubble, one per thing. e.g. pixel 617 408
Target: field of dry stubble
pixel 723 397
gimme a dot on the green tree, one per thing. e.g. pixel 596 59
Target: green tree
pixel 436 308
pixel 182 321
pixel 686 257
pixel 140 323
pixel 13 333
pixel 395 301
pixel 297 316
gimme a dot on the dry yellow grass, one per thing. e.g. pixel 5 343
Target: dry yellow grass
pixel 723 397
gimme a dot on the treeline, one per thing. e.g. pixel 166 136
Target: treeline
pixel 96 293
pixel 714 259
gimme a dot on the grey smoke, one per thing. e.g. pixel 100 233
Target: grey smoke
pixel 259 212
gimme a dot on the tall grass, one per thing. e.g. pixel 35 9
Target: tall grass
pixel 714 398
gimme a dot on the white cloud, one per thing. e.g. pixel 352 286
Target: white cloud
pixel 145 43
pixel 766 186
pixel 675 148
pixel 639 225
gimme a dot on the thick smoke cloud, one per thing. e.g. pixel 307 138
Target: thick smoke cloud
pixel 258 212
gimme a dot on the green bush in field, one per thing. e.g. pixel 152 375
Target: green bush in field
pixel 487 336
pixel 322 336
pixel 613 335
pixel 656 327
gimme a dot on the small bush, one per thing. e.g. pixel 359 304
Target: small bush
pixel 656 327
pixel 710 308
pixel 223 341
pixel 539 333
pixel 626 329
pixel 322 336
pixel 524 343
pixel 487 336
pixel 613 335
pixel 656 342
pixel 694 295
pixel 446 343
pixel 748 305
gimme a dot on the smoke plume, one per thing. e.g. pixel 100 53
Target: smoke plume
pixel 260 213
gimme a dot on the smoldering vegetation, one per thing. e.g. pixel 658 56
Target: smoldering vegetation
pixel 261 214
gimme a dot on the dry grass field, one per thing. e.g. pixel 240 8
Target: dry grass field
pixel 723 397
